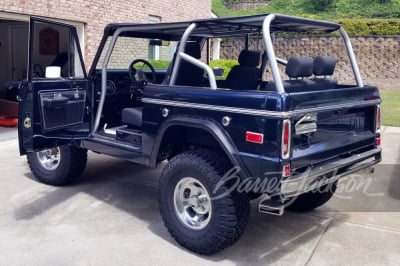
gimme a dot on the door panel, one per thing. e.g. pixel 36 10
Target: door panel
pixel 62 108
pixel 54 109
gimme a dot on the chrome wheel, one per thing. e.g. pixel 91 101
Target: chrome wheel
pixel 49 159
pixel 192 203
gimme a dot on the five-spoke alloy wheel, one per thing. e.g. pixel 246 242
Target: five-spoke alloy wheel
pixel 198 217
pixel 58 166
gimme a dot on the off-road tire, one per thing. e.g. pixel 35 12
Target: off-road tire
pixel 313 199
pixel 72 164
pixel 230 213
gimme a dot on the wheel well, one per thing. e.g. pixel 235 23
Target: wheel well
pixel 177 139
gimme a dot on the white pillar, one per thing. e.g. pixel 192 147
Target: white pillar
pixel 216 46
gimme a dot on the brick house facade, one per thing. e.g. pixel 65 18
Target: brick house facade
pixel 93 15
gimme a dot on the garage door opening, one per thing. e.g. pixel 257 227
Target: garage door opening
pixel 13 66
pixel 14 54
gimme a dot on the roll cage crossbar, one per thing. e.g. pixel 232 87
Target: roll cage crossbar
pixel 219 28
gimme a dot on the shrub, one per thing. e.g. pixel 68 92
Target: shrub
pixel 373 26
pixel 225 64
pixel 161 64
pixel 322 5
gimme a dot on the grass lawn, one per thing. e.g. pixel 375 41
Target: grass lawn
pixel 390 107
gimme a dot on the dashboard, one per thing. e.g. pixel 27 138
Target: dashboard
pixel 119 86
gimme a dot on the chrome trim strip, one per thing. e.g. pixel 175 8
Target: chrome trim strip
pixel 216 108
pixel 337 106
pixel 287 155
pixel 255 112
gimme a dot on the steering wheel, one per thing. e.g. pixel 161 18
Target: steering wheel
pixel 38 71
pixel 138 76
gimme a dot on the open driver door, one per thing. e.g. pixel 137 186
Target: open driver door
pixel 53 101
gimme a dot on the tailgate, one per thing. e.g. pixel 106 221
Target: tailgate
pixel 332 124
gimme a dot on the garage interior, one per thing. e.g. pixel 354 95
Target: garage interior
pixel 50 48
pixel 13 68
pixel 14 54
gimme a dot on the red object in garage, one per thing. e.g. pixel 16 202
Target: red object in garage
pixel 8 122
pixel 8 113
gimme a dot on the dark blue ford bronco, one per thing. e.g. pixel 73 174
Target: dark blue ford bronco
pixel 280 130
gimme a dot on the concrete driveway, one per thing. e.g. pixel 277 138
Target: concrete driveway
pixel 111 218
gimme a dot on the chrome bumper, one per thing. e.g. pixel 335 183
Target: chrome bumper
pixel 329 172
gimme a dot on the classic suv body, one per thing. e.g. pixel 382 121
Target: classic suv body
pixel 285 136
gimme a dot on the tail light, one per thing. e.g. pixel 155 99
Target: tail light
pixel 378 125
pixel 286 170
pixel 378 119
pixel 378 141
pixel 286 139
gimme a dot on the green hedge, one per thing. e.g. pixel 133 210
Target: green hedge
pixel 225 64
pixel 238 1
pixel 160 64
pixel 320 9
pixel 372 26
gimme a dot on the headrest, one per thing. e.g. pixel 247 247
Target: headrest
pixel 193 49
pixel 249 58
pixel 299 67
pixel 324 65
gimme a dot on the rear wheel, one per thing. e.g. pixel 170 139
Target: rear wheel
pixel 58 166
pixel 313 199
pixel 194 216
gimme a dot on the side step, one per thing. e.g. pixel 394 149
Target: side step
pixel 131 136
pixel 271 206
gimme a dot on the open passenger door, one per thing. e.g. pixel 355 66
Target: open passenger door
pixel 53 102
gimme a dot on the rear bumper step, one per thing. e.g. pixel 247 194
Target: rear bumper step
pixel 329 172
pixel 271 206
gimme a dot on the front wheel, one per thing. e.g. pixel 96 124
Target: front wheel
pixel 195 218
pixel 58 166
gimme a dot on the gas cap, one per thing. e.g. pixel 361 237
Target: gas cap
pixel 226 120
pixel 164 112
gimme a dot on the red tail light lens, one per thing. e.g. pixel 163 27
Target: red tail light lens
pixel 286 170
pixel 286 139
pixel 378 141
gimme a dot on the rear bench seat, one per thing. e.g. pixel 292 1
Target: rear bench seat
pixel 324 66
pixel 299 70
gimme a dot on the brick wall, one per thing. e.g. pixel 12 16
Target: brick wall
pixel 377 56
pixel 96 14
pixel 237 6
pixel 128 49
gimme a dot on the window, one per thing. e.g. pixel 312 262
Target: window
pixel 127 49
pixel 154 51
pixel 55 45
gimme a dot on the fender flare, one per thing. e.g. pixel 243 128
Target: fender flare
pixel 209 126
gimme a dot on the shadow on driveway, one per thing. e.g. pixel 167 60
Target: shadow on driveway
pixel 132 188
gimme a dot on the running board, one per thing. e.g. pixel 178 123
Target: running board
pixel 271 206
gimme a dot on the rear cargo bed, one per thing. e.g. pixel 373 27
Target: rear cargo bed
pixel 332 124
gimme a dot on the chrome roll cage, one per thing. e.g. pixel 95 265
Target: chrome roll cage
pixel 181 55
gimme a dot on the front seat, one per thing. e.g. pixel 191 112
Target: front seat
pixel 132 116
pixel 189 74
pixel 245 76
